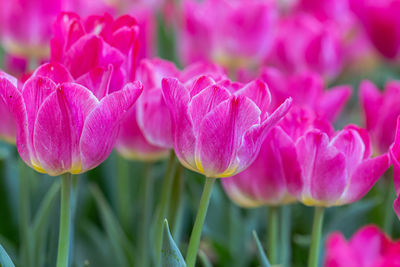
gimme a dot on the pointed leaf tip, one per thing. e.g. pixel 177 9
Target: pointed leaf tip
pixel 5 260
pixel 170 254
pixel 261 252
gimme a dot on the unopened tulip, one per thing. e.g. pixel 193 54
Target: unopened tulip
pixel 219 128
pixel 264 182
pixel 381 110
pixel 62 127
pixel 368 247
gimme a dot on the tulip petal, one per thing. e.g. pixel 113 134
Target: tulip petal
pixel 55 72
pixel 323 169
pixel 12 98
pixel 364 177
pixel 35 91
pixel 102 124
pixel 177 99
pixel 258 92
pixel 196 85
pixel 333 101
pixel 132 144
pixel 220 135
pixel 58 128
pixel 371 100
pixel 97 80
pixel 154 118
pixel 394 153
pixel 352 146
pixel 201 104
pixel 254 137
pixel 84 55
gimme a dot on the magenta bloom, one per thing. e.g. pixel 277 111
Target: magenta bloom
pixel 96 42
pixel 305 44
pixel 307 90
pixel 380 112
pixel 61 125
pixel 380 19
pixel 232 33
pixel 7 123
pixel 265 181
pixel 369 247
pixel 329 171
pixel 219 127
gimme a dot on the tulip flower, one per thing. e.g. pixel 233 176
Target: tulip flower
pixel 7 124
pixel 212 135
pixel 232 33
pixel 305 44
pixel 218 131
pixel 307 90
pixel 61 125
pixel 380 112
pixel 368 247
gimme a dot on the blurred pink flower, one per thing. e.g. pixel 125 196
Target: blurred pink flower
pixel 219 127
pixel 233 33
pixel 84 45
pixel 394 152
pixel 264 182
pixel 307 90
pixel 329 171
pixel 63 126
pixel 380 110
pixel 369 247
pixel 305 44
pixel 380 19
pixel 25 25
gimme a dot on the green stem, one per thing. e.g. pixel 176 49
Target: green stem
pixel 163 206
pixel 198 224
pixel 24 215
pixel 316 236
pixel 388 216
pixel 124 193
pixel 273 219
pixel 65 221
pixel 175 212
pixel 285 247
pixel 147 207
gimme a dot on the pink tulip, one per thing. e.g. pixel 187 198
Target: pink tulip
pixel 380 112
pixel 305 44
pixel 83 45
pixel 218 128
pixel 232 33
pixel 369 247
pixel 264 182
pixel 380 19
pixel 329 171
pixel 306 89
pixel 61 125
pixel 7 123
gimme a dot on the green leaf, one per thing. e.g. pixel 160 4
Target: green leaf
pixel 5 260
pixel 123 248
pixel 170 254
pixel 261 253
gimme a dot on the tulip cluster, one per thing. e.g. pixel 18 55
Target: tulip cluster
pixel 255 92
